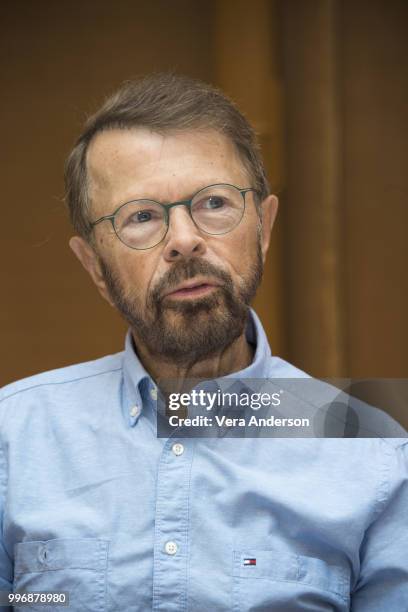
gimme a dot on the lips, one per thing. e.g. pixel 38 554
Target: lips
pixel 192 288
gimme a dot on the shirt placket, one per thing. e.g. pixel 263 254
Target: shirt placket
pixel 170 564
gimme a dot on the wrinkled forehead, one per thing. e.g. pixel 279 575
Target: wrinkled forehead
pixel 137 163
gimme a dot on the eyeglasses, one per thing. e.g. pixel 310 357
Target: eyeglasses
pixel 142 224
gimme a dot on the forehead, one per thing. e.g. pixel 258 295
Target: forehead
pixel 128 164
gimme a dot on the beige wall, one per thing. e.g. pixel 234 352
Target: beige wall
pixel 324 81
pixel 59 59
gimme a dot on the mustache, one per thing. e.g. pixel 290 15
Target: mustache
pixel 184 270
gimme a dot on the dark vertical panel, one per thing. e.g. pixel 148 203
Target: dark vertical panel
pixel 313 249
pixel 375 92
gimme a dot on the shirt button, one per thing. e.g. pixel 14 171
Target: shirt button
pixel 42 553
pixel 153 393
pixel 177 448
pixel 171 548
pixel 134 411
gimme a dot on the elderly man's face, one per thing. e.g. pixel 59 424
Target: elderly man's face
pixel 149 286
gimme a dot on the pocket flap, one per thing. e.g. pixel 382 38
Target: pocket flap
pixel 72 553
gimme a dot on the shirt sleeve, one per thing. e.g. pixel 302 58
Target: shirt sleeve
pixel 6 566
pixel 383 581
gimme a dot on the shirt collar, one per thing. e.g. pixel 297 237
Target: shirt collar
pixel 139 388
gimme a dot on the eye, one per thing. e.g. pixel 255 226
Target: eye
pixel 142 216
pixel 213 202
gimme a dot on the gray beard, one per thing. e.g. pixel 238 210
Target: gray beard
pixel 186 332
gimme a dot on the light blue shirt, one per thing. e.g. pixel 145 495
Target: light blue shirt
pixel 93 503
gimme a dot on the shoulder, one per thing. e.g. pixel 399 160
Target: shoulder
pixel 335 411
pixel 70 374
pixel 66 382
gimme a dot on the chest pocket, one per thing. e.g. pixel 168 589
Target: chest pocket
pixel 267 581
pixel 75 566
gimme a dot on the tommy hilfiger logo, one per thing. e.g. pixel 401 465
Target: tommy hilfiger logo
pixel 250 561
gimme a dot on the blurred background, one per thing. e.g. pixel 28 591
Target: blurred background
pixel 325 82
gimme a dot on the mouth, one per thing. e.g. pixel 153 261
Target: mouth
pixel 192 289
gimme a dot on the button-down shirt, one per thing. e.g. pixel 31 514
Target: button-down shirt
pixel 93 503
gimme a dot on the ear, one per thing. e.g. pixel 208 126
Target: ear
pixel 90 261
pixel 269 208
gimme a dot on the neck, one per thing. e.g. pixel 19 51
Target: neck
pixel 233 358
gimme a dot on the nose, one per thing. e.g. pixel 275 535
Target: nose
pixel 183 238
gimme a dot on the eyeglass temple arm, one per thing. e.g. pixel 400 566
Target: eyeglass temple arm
pixel 110 217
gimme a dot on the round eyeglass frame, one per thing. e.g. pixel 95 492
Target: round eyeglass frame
pixel 167 207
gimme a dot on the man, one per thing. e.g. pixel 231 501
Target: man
pixel 168 196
